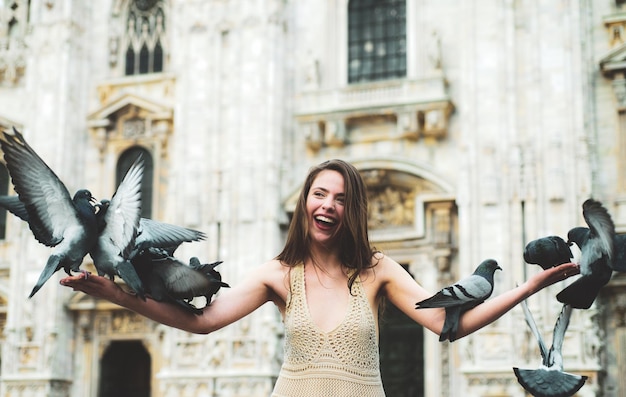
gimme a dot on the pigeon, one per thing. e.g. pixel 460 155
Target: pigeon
pixel 54 217
pixel 118 223
pixel 462 296
pixel 549 380
pixel 168 279
pixel 547 252
pixel 596 245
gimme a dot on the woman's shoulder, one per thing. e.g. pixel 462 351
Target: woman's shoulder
pixel 382 267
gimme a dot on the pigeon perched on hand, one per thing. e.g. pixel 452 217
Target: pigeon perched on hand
pixel 547 252
pixel 55 218
pixel 118 222
pixel 462 296
pixel 167 279
pixel 596 245
pixel 549 380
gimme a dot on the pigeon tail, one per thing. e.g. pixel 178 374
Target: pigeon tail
pixel 127 272
pixel 544 382
pixel 582 293
pixel 451 324
pixel 52 266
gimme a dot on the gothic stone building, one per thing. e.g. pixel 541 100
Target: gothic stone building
pixel 478 126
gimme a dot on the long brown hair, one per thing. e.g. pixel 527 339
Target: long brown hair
pixel 355 250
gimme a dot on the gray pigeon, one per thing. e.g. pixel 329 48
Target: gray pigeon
pixel 462 296
pixel 596 245
pixel 118 222
pixel 56 220
pixel 547 252
pixel 549 380
pixel 167 279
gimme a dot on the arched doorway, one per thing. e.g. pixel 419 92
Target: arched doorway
pixel 125 370
pixel 401 353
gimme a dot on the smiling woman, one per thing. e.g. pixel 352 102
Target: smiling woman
pixel 328 284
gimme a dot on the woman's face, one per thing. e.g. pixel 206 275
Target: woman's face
pixel 325 205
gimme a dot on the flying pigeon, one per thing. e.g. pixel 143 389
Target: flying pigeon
pixel 462 296
pixel 596 245
pixel 118 222
pixel 547 252
pixel 549 380
pixel 167 279
pixel 55 218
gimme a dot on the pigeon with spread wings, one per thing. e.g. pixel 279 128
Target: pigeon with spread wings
pixel 55 218
pixel 549 380
pixel 118 223
pixel 596 245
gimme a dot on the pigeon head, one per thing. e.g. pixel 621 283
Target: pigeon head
pixel 103 206
pixel 84 194
pixel 578 235
pixel 487 268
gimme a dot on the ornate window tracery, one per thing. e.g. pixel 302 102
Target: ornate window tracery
pixel 144 37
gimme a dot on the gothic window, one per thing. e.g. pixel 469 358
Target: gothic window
pixel 4 189
pixel 144 38
pixel 376 40
pixel 125 370
pixel 401 353
pixel 125 161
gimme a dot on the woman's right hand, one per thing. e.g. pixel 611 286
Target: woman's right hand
pixel 94 285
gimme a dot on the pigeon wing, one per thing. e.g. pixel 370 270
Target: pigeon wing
pixel 471 289
pixel 555 359
pixel 535 331
pixel 14 205
pixel 164 235
pixel 124 211
pixel 46 199
pixel 600 224
pixel 180 280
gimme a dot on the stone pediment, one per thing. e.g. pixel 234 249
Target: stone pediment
pixel 614 61
pixel 130 118
pixel 125 103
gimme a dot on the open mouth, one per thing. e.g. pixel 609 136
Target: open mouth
pixel 325 221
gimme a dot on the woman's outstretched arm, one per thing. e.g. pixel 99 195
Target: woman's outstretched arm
pixel 404 292
pixel 230 305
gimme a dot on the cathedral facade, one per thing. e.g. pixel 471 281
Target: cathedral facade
pixel 477 125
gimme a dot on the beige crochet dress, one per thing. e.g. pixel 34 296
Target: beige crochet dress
pixel 340 363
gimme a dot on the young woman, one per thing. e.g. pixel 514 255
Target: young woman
pixel 327 283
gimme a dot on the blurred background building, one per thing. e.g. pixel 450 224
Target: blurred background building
pixel 478 125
